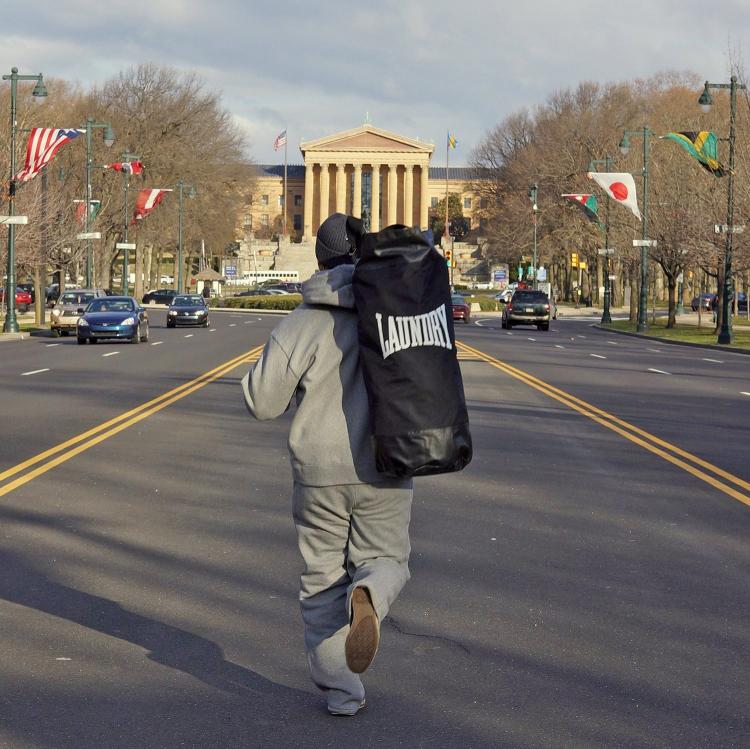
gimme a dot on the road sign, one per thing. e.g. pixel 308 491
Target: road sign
pixel 582 265
pixel 726 229
pixel 125 246
pixel 541 273
pixel 14 219
pixel 89 235
pixel 606 251
pixel 644 243
pixel 230 270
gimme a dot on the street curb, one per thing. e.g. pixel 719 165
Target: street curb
pixel 709 346
pixel 13 336
pixel 252 310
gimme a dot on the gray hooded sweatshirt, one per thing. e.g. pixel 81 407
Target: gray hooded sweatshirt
pixel 312 357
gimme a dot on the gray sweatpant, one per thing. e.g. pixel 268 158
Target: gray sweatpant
pixel 349 535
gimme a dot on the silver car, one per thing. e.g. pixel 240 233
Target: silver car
pixel 65 314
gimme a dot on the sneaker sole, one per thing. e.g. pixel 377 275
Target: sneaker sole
pixel 364 633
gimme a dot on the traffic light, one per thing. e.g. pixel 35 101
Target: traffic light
pixel 449 258
pixel 573 259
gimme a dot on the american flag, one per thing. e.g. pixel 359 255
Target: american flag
pixel 44 143
pixel 147 201
pixel 128 167
pixel 280 141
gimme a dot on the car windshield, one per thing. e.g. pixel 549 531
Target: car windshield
pixel 187 301
pixel 111 305
pixel 525 297
pixel 458 300
pixel 76 298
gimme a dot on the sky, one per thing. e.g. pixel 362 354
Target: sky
pixel 419 68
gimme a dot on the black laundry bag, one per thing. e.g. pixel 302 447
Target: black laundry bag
pixel 407 346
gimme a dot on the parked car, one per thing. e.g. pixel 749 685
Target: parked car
pixel 113 317
pixel 461 309
pixel 706 302
pixel 527 307
pixel 740 298
pixel 159 296
pixel 30 288
pixel 188 309
pixel 23 299
pixel 258 292
pixel 288 287
pixel 65 313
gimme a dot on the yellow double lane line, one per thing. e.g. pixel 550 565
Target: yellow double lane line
pixel 54 456
pixel 720 479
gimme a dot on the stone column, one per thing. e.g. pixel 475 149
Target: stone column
pixel 307 226
pixel 357 197
pixel 392 192
pixel 325 192
pixel 409 195
pixel 424 200
pixel 375 207
pixel 340 188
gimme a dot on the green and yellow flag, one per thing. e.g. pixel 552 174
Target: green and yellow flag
pixel 702 147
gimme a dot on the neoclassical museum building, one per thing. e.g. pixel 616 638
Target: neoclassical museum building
pixel 367 172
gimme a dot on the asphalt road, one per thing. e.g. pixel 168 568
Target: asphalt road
pixel 573 587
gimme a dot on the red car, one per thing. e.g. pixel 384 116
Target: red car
pixel 461 310
pixel 23 299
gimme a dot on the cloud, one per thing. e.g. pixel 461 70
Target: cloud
pixel 418 67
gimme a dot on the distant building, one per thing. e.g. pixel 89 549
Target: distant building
pixel 367 172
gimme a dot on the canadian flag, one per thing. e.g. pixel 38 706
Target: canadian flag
pixel 620 186
pixel 128 167
pixel 147 201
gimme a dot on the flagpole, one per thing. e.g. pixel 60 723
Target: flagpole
pixel 446 235
pixel 286 138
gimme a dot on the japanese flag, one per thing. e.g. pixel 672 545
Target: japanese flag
pixel 620 187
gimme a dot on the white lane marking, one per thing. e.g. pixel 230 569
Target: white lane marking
pixel 655 350
pixel 742 392
pixel 557 345
pixel 716 361
pixel 34 371
pixel 212 330
pixel 508 333
pixel 598 356
pixel 581 336
pixel 157 343
pixel 532 339
pixel 232 324
pixel 613 343
pixel 189 335
pixel 658 371
pixel 479 322
pixel 249 322
pixel 49 345
pixel 111 353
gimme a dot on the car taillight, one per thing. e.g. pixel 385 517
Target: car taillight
pixel 510 306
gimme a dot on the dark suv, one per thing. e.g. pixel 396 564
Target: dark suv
pixel 527 307
pixel 159 296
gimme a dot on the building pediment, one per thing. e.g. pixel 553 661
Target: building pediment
pixel 367 138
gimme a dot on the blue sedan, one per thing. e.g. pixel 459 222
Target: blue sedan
pixel 113 317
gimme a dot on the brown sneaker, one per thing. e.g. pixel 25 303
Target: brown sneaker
pixel 364 632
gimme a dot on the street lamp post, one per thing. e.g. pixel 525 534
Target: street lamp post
pixel 191 194
pixel 624 146
pixel 109 139
pixel 127 156
pixel 606 312
pixel 705 101
pixel 39 92
pixel 533 191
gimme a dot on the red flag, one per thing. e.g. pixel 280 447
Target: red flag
pixel 147 201
pixel 129 167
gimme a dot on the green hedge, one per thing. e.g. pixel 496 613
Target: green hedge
pixel 280 301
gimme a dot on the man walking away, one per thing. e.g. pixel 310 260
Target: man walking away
pixel 352 522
